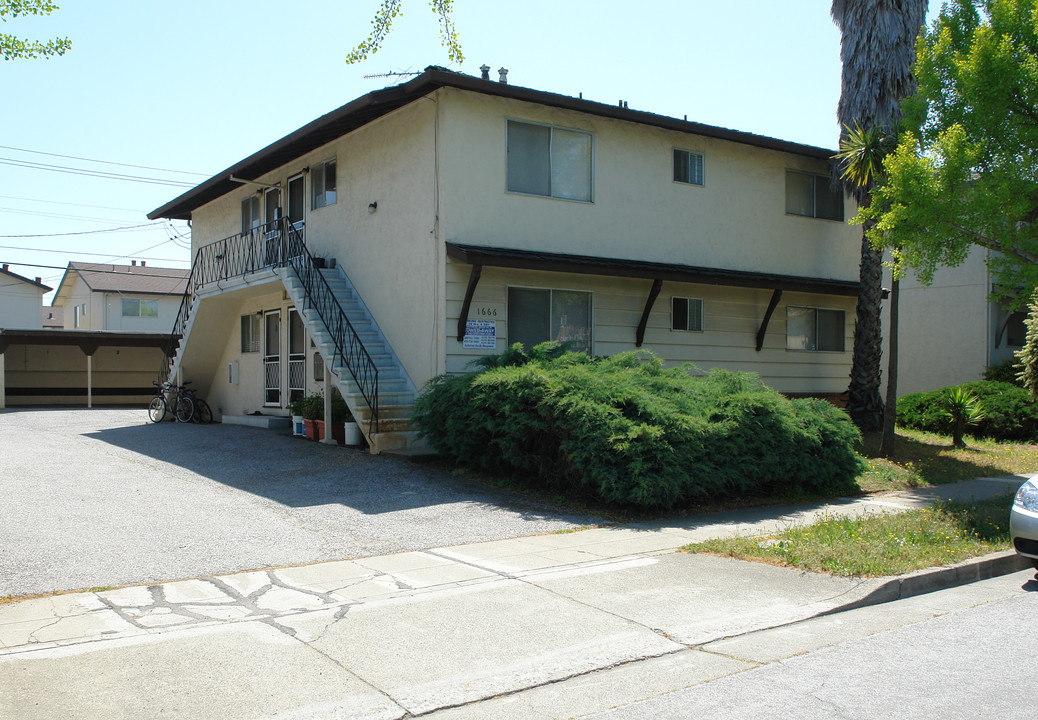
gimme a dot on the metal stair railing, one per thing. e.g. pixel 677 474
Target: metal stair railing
pixel 348 345
pixel 280 243
pixel 232 256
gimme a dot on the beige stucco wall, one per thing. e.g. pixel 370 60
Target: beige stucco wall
pixel 219 336
pixel 731 319
pixel 21 304
pixel 945 334
pixel 736 220
pixel 104 310
pixel 390 254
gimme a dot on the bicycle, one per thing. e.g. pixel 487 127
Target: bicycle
pixel 159 406
pixel 202 414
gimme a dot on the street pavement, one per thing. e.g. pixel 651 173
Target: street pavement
pixel 560 624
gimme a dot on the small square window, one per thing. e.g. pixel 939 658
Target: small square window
pixel 686 314
pixel 322 185
pixel 250 333
pixel 688 167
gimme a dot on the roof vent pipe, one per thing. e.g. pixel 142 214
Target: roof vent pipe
pixel 485 69
pixel 6 266
pixel 503 75
pixel 39 280
pixel 142 263
pixel 133 263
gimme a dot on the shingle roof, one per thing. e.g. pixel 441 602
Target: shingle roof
pixel 375 104
pixel 16 276
pixel 103 277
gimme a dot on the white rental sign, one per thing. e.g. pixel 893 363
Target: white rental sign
pixel 480 334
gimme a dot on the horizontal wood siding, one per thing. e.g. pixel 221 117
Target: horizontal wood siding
pixel 731 318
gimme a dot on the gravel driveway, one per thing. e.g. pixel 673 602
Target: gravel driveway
pixel 103 498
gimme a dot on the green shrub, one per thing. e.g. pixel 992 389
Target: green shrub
pixel 1009 412
pixel 1008 371
pixel 625 430
pixel 311 407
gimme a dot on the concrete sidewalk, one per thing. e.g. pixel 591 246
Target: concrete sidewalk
pixel 613 610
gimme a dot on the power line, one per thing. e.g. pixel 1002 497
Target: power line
pixel 59 202
pixel 84 252
pixel 93 173
pixel 60 216
pixel 103 162
pixel 85 232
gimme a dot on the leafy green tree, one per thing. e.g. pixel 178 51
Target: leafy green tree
pixel 389 11
pixel 966 173
pixel 876 49
pixel 12 47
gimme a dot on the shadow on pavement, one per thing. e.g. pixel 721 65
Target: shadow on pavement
pixel 302 473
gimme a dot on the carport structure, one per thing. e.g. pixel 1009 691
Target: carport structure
pixel 39 366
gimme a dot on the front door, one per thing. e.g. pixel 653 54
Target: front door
pixel 272 358
pixel 296 356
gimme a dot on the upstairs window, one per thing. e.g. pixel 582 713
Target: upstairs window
pixel 814 329
pixel 811 196
pixel 549 161
pixel 686 314
pixel 140 308
pixel 250 213
pixel 322 185
pixel 688 167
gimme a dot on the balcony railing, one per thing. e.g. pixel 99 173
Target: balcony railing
pixel 279 244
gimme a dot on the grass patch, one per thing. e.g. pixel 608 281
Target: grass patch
pixel 923 458
pixel 882 544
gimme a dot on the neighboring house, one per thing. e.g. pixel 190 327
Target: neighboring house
pixel 101 342
pixel 452 215
pixel 21 300
pixel 950 332
pixel 120 298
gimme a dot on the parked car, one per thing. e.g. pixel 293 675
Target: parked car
pixel 1023 520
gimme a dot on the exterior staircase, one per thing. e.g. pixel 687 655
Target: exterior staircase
pixel 396 390
pixel 360 362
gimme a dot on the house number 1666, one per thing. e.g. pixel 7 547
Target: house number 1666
pixel 485 312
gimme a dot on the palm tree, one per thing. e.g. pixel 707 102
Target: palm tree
pixel 861 162
pixel 877 49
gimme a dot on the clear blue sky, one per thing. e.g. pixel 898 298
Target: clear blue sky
pixel 196 86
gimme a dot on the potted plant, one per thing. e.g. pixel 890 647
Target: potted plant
pixel 298 410
pixel 310 407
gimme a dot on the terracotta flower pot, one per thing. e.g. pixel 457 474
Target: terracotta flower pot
pixel 313 432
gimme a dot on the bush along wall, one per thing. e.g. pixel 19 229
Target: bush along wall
pixel 625 430
pixel 1009 411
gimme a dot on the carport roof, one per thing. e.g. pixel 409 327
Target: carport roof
pixel 86 340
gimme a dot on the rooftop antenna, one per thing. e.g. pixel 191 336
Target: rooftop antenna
pixel 391 74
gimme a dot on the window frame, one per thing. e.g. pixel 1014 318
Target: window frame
pixel 324 197
pixel 689 154
pixel 141 304
pixel 550 290
pixel 701 314
pixel 255 333
pixel 814 196
pixel 816 349
pixel 252 200
pixel 551 193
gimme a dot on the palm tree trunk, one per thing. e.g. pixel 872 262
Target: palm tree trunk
pixel 864 403
pixel 886 446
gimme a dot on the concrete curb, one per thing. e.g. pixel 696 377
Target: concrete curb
pixel 939 578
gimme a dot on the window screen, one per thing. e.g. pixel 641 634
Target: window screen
pixel 250 333
pixel 686 314
pixel 536 316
